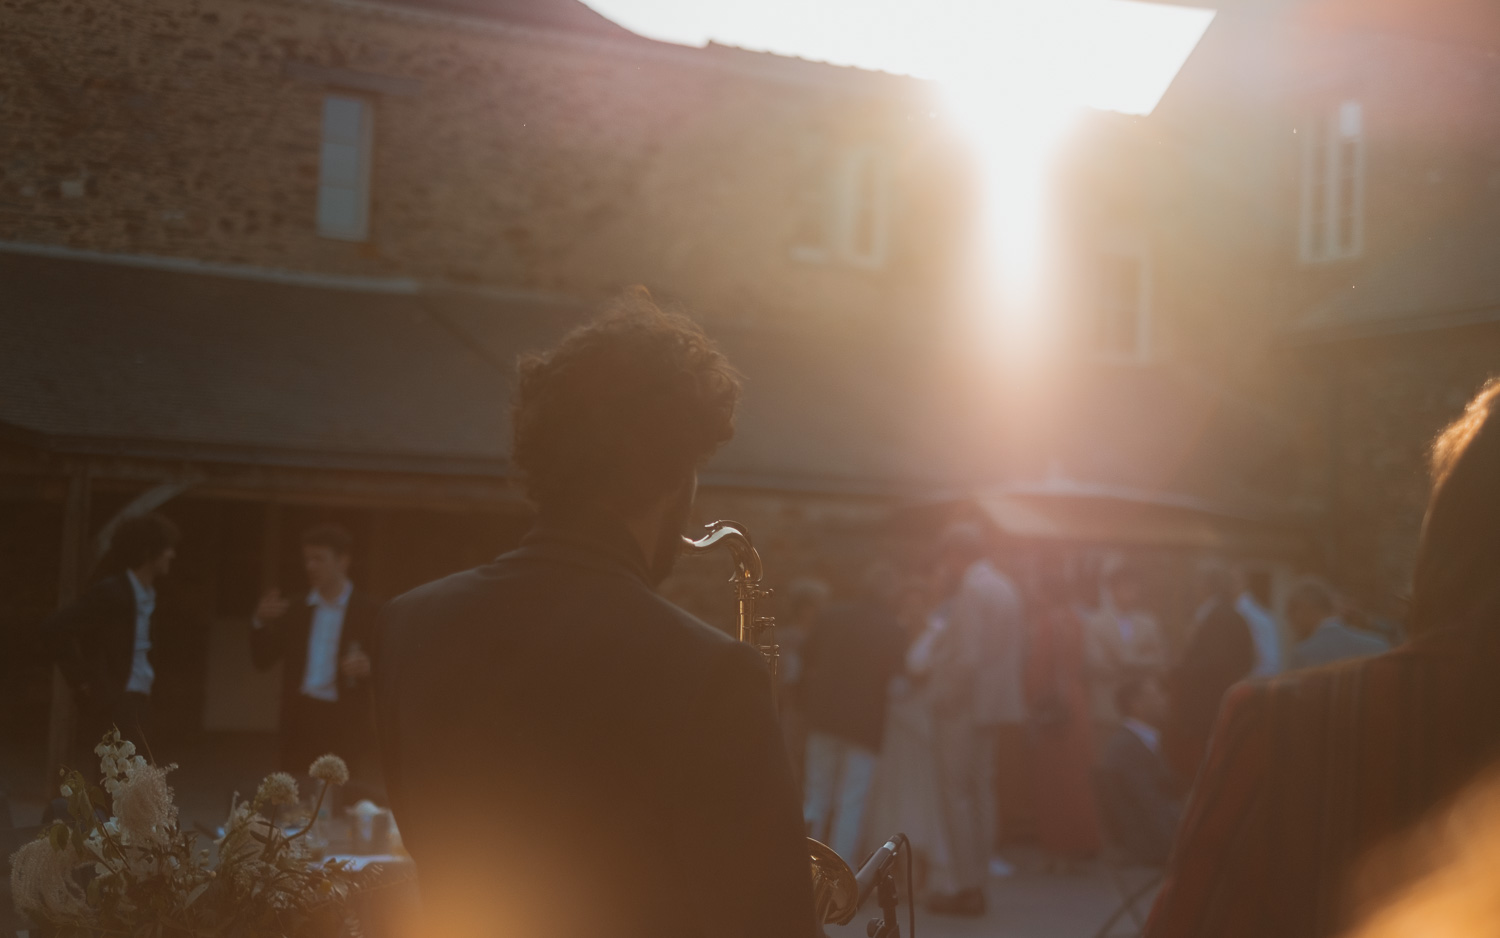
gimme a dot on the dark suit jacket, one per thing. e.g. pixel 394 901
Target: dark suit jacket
pixel 848 662
pixel 1139 796
pixel 284 640
pixel 92 640
pixel 1308 772
pixel 569 754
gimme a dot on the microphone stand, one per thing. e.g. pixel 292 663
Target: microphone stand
pixel 879 873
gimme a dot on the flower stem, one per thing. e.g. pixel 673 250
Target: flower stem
pixel 316 808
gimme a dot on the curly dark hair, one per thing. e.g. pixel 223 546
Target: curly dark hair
pixel 142 539
pixel 622 409
pixel 1459 550
pixel 335 537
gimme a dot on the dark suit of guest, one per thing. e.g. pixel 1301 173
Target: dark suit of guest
pixel 1308 772
pixel 569 754
pixel 92 641
pixel 1220 653
pixel 850 658
pixel 848 663
pixel 308 726
pixel 1139 795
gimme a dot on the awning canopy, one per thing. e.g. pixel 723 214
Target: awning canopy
pixel 1124 521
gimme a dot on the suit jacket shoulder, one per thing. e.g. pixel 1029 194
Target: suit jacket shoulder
pixel 1308 771
pixel 616 741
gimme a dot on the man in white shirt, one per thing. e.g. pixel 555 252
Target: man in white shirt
pixel 322 644
pixel 104 641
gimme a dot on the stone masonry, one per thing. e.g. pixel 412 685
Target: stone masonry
pixel 504 156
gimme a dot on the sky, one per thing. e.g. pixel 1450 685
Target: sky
pixel 1110 54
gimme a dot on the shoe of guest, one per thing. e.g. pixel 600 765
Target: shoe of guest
pixel 966 902
pixel 1000 868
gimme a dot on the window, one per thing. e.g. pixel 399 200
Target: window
pixel 344 169
pixel 1118 323
pixel 863 207
pixel 843 212
pixel 1333 185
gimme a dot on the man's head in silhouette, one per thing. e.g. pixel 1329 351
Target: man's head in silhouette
pixel 617 419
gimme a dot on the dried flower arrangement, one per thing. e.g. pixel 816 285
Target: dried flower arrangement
pixel 122 865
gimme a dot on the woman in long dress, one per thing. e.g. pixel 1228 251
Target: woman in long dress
pixel 1063 745
pixel 905 796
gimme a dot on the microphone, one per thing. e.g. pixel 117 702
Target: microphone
pixel 879 874
pixel 879 863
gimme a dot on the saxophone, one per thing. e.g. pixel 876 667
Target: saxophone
pixel 836 892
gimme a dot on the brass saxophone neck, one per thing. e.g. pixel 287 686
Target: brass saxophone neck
pixel 733 536
pixel 758 630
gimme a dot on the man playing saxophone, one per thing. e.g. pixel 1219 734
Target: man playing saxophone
pixel 569 754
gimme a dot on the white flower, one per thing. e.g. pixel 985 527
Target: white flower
pixel 143 804
pixel 239 840
pixel 330 769
pixel 277 790
pixel 41 879
pixel 117 758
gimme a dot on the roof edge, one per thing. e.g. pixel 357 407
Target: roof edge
pixel 1400 324
pixel 349 283
pixel 837 77
pixel 336 460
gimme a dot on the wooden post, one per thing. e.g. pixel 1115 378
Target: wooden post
pixel 70 572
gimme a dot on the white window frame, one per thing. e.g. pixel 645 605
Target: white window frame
pixel 852 204
pixel 844 205
pixel 1136 249
pixel 1330 135
pixel 351 220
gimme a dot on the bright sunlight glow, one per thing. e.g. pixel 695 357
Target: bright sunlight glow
pixel 1015 73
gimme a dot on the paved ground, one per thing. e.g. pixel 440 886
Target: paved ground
pixel 1026 905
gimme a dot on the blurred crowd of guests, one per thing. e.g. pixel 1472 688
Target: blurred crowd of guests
pixel 934 696
pixel 920 705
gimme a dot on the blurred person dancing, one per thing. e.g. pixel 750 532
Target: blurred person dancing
pixel 977 675
pixel 1220 653
pixel 1141 797
pixel 1309 772
pixel 568 753
pixel 906 795
pixel 1254 604
pixel 1121 639
pixel 851 656
pixel 1063 748
pixel 1321 633
pixel 803 601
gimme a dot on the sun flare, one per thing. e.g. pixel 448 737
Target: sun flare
pixel 1015 74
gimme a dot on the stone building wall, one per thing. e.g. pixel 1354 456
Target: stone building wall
pixel 502 156
pixel 1386 400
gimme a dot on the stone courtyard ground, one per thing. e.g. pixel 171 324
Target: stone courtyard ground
pixel 1029 904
